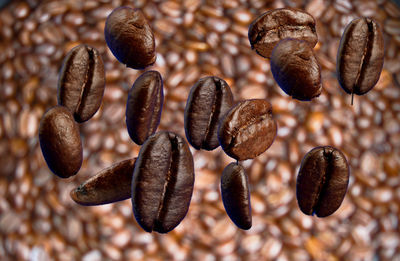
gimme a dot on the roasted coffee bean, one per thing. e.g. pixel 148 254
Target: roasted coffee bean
pixel 109 185
pixel 163 182
pixel 236 196
pixel 360 56
pixel 60 142
pixel 271 27
pixel 144 106
pixel 296 69
pixel 130 38
pixel 248 129
pixel 81 83
pixel 209 99
pixel 322 181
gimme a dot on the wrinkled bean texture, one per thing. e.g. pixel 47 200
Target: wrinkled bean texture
pixel 209 99
pixel 60 142
pixel 236 195
pixel 144 106
pixel 109 185
pixel 248 129
pixel 322 181
pixel 81 82
pixel 163 182
pixel 130 38
pixel 271 27
pixel 296 69
pixel 360 56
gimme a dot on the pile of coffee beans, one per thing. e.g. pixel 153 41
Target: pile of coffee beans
pixel 38 219
pixel 162 179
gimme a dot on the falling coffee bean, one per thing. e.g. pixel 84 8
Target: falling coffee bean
pixel 144 106
pixel 322 181
pixel 108 186
pixel 60 142
pixel 248 129
pixel 130 38
pixel 236 196
pixel 360 56
pixel 209 99
pixel 296 69
pixel 162 184
pixel 271 27
pixel 81 82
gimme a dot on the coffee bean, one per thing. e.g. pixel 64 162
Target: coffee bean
pixel 163 182
pixel 322 181
pixel 271 27
pixel 248 129
pixel 296 70
pixel 60 142
pixel 360 56
pixel 81 83
pixel 109 185
pixel 236 196
pixel 209 99
pixel 144 106
pixel 130 38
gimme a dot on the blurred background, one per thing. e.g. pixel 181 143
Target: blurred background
pixel 195 38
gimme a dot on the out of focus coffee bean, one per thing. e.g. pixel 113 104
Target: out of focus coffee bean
pixel 60 142
pixel 82 81
pixel 296 69
pixel 248 129
pixel 144 106
pixel 162 184
pixel 271 27
pixel 236 196
pixel 130 38
pixel 360 56
pixel 109 185
pixel 209 99
pixel 322 181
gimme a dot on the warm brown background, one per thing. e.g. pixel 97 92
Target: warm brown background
pixel 39 221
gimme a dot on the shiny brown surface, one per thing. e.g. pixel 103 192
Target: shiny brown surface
pixel 144 106
pixel 130 38
pixel 81 82
pixel 360 56
pixel 109 185
pixel 271 27
pixel 60 142
pixel 39 220
pixel 322 181
pixel 248 129
pixel 235 195
pixel 209 100
pixel 296 69
pixel 162 183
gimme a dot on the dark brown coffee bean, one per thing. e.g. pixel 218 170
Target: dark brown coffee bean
pixel 360 56
pixel 60 142
pixel 296 70
pixel 163 182
pixel 322 181
pixel 236 196
pixel 248 129
pixel 109 185
pixel 144 106
pixel 271 27
pixel 130 38
pixel 209 99
pixel 81 83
